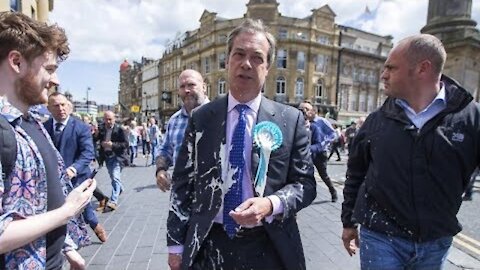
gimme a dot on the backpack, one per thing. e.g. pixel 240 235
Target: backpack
pixel 8 148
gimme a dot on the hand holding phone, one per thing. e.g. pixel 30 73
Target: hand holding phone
pixel 94 172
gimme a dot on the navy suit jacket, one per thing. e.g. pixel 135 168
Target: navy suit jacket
pixel 75 146
pixel 197 191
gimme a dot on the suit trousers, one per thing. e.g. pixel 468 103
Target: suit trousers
pixel 88 212
pixel 320 162
pixel 249 249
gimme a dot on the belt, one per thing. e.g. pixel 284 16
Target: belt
pixel 243 232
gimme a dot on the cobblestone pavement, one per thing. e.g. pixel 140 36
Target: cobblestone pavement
pixel 137 229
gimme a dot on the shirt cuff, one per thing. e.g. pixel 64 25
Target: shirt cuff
pixel 175 249
pixel 277 207
pixel 73 170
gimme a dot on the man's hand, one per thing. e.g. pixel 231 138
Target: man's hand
pixel 75 259
pixel 174 261
pixel 163 180
pixel 350 240
pixel 106 144
pixel 252 211
pixel 79 197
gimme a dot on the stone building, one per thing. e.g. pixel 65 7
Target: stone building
pixel 36 9
pixel 317 60
pixel 451 22
pixel 130 89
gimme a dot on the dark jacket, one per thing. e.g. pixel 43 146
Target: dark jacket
pixel 415 180
pixel 75 146
pixel 197 179
pixel 119 147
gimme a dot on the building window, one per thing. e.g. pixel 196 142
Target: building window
pixel 14 5
pixel 282 33
pixel 221 87
pixel 319 91
pixel 344 97
pixel 372 78
pixel 362 102
pixel 321 63
pixel 371 103
pixel 323 40
pixel 352 96
pixel 301 35
pixel 221 61
pixel 222 38
pixel 299 87
pixel 206 65
pixel 355 74
pixel 301 60
pixel 282 58
pixel 281 85
pixel 363 75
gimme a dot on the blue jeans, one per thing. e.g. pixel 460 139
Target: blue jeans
pixel 153 147
pixel 133 153
pixel 380 251
pixel 114 170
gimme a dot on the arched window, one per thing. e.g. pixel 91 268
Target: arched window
pixel 281 85
pixel 221 86
pixel 299 87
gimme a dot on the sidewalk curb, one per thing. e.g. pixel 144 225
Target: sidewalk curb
pixel 461 259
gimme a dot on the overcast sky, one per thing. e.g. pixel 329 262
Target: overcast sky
pixel 104 32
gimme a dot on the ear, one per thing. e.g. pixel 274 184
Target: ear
pixel 16 61
pixel 424 67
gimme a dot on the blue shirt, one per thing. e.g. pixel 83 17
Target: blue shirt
pixel 172 141
pixel 438 104
pixel 327 133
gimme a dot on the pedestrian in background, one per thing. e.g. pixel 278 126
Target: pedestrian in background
pixel 410 163
pixel 37 218
pixel 155 135
pixel 132 141
pixel 321 136
pixel 336 143
pixel 73 139
pixel 113 149
pixel 192 91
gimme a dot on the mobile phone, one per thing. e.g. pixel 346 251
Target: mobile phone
pixel 94 172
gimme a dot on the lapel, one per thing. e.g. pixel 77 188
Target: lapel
pixel 66 133
pixel 266 112
pixel 49 127
pixel 218 121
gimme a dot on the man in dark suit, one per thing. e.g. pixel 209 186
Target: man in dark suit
pixel 113 150
pixel 73 140
pixel 217 218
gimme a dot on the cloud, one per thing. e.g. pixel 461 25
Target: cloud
pixel 104 32
pixel 111 30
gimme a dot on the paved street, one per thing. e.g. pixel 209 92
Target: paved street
pixel 137 229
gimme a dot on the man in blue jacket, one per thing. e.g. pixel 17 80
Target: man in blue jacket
pixel 73 139
pixel 321 135
pixel 410 163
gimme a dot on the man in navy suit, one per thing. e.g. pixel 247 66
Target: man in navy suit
pixel 73 140
pixel 212 163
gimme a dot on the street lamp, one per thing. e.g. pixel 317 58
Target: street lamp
pixel 88 107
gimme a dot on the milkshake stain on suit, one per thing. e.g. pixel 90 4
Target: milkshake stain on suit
pixel 198 176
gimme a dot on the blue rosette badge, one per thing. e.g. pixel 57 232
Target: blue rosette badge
pixel 268 137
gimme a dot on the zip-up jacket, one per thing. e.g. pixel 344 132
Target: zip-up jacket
pixel 414 179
